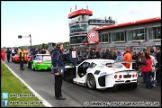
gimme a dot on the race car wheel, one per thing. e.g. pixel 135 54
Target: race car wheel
pixel 132 86
pixel 115 88
pixel 135 86
pixel 32 67
pixel 91 83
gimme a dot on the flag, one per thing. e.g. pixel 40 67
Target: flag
pixel 87 7
pixel 93 37
pixel 70 9
pixel 75 7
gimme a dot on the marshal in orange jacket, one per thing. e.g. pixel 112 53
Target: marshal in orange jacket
pixel 126 57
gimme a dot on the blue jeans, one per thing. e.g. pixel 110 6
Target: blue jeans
pixel 144 77
pixel 74 60
pixel 147 75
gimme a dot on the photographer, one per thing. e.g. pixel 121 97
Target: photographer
pixel 58 67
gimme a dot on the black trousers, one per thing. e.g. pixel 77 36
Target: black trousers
pixel 21 62
pixel 58 84
pixel 134 66
pixel 8 58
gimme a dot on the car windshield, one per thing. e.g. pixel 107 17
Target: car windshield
pixel 117 65
pixel 43 57
pixel 38 58
pixel 46 58
pixel 113 65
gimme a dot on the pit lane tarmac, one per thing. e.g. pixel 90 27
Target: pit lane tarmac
pixel 43 83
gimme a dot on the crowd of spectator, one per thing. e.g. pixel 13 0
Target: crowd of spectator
pixel 150 69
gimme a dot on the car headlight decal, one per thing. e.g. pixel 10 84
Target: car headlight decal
pixel 103 73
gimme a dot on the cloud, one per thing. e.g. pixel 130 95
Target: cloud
pixel 148 7
pixel 139 11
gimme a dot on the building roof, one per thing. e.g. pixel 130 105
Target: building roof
pixel 80 12
pixel 128 23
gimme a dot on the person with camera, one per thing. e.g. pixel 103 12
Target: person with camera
pixel 58 68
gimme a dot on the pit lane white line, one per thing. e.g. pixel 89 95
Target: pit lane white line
pixel 45 103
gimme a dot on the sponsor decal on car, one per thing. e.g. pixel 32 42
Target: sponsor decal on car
pixel 103 73
pixel 100 66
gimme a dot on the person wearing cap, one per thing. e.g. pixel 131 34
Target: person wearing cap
pixel 127 57
pixel 58 67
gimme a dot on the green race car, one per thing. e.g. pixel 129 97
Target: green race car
pixel 40 62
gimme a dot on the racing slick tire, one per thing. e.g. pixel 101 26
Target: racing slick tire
pixel 135 86
pixel 91 83
pixel 115 88
pixel 132 86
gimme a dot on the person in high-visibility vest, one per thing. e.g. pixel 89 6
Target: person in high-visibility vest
pixel 21 55
pixel 127 57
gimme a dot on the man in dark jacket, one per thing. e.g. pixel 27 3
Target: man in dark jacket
pixel 33 52
pixel 51 58
pixel 8 54
pixel 58 67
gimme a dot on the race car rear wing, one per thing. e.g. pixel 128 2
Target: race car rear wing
pixel 128 61
pixel 131 61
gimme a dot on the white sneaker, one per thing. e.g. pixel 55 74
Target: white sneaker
pixel 153 85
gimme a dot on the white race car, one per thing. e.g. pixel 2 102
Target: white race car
pixel 101 74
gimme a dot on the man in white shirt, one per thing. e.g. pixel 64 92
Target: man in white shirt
pixel 74 56
pixel 13 51
pixel 154 61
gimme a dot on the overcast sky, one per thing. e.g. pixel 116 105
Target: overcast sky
pixel 48 21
